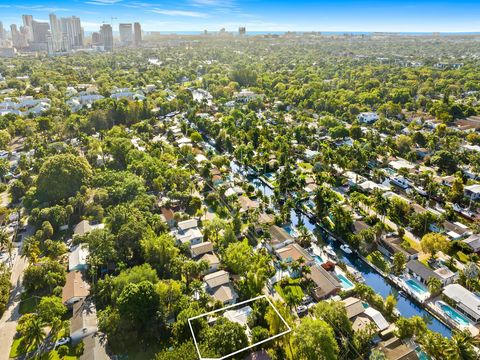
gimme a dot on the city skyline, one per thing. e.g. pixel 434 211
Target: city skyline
pixel 307 15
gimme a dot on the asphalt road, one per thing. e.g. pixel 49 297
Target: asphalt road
pixel 9 320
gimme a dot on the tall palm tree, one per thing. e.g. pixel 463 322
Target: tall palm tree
pixel 434 285
pixel 33 333
pixel 463 344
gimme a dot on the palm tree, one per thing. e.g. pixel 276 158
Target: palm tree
pixel 434 285
pixel 33 333
pixel 463 344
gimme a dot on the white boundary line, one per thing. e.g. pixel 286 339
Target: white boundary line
pixel 229 307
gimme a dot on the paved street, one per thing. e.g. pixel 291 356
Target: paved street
pixel 8 322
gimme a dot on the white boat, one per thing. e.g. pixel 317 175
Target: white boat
pixel 400 181
pixel 329 250
pixel 346 249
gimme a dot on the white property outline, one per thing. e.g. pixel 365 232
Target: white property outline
pixel 229 307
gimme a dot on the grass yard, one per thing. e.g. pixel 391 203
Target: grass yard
pixel 292 287
pixel 462 257
pixel 415 245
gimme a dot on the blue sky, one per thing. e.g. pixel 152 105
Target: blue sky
pixel 269 15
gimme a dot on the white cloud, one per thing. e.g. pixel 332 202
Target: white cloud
pixel 186 13
pixel 103 2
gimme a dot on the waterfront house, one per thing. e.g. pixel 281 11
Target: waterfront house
pixel 465 301
pixel 325 284
pixel 391 244
pixel 422 273
pixel 278 238
pixel 395 349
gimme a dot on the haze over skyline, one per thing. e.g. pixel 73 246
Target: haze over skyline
pixel 270 15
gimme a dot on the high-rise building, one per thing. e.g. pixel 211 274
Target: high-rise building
pixel 126 33
pixel 2 31
pixel 96 38
pixel 242 31
pixel 71 28
pixel 28 26
pixel 56 31
pixel 137 34
pixel 40 31
pixel 18 38
pixel 106 33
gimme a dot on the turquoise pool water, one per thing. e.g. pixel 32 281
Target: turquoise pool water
pixel 421 355
pixel 269 176
pixel 290 230
pixel 453 314
pixel 346 284
pixel 318 260
pixel 416 286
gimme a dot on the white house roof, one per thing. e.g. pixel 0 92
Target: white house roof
pixel 78 257
pixel 475 188
pixel 217 278
pixel 239 316
pixel 464 298
pixel 377 318
pixel 187 224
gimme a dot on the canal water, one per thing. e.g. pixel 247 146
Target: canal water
pixel 405 306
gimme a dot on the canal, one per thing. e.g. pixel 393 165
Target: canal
pixel 405 306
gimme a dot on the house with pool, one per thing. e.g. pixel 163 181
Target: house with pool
pixel 463 301
pixel 423 273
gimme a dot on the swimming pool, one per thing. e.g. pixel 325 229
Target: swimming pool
pixel 453 314
pixel 269 176
pixel 290 230
pixel 416 287
pixel 346 284
pixel 318 260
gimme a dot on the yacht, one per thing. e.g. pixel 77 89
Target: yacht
pixel 329 250
pixel 346 249
pixel 400 181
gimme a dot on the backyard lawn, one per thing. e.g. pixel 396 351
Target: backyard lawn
pixel 292 287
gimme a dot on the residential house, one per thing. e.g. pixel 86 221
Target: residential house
pixel 293 252
pixel 168 215
pixel 389 245
pixel 472 191
pixel 75 289
pixel 423 273
pixel 473 242
pixel 188 232
pixel 84 227
pixel 465 301
pixel 77 258
pixel 325 284
pixel 218 285
pixel 367 117
pixel 204 251
pixel 278 238
pixel 246 204
pixel 395 349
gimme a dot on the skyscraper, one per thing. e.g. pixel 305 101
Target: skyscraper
pixel 242 31
pixel 106 33
pixel 18 39
pixel 56 32
pixel 137 34
pixel 40 31
pixel 2 31
pixel 126 34
pixel 28 26
pixel 72 29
